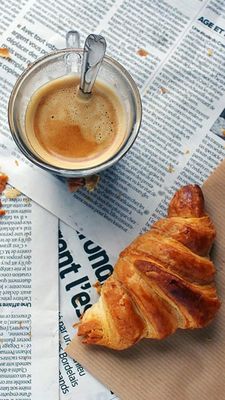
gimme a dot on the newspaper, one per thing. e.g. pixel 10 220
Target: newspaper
pixel 28 310
pixel 82 262
pixel 175 52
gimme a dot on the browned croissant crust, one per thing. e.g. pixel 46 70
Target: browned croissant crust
pixel 162 281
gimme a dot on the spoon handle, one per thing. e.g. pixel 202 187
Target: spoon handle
pixel 94 51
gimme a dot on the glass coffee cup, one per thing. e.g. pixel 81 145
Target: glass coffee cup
pixel 57 65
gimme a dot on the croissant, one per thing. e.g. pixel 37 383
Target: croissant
pixel 162 281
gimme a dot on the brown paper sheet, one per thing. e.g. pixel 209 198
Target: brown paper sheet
pixel 189 365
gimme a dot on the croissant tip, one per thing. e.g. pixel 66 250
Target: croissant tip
pixel 187 202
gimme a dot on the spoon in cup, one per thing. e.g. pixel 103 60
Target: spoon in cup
pixel 94 51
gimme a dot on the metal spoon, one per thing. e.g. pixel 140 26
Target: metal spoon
pixel 94 51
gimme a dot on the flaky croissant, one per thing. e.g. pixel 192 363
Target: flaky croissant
pixel 162 281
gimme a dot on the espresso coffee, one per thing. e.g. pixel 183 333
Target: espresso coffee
pixel 70 130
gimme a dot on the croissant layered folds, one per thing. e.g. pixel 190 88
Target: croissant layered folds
pixel 162 281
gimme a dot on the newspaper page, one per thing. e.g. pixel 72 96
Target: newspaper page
pixel 82 262
pixel 71 380
pixel 175 53
pixel 28 310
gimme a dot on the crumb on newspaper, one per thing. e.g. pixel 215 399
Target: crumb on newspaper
pixel 4 52
pixel 27 200
pixel 11 193
pixel 142 53
pixel 163 90
pixel 170 169
pixel 89 182
pixel 210 52
pixel 3 182
pixel 75 184
pixel 97 285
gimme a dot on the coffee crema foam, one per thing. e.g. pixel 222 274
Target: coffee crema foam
pixel 70 130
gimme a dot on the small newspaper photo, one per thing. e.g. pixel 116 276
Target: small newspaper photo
pixel 59 236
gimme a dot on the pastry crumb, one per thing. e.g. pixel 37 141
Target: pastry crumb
pixel 11 193
pixel 210 52
pixel 142 53
pixel 163 90
pixel 27 200
pixel 170 169
pixel 97 285
pixel 187 152
pixel 4 52
pixel 75 184
pixel 3 181
pixel 17 163
pixel 91 182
